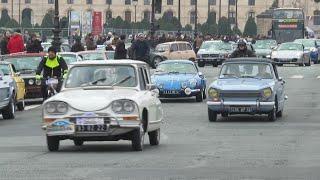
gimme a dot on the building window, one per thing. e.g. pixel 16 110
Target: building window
pixel 50 1
pixel 251 14
pixel 168 15
pixel 27 1
pixel 232 2
pixel 4 1
pixel 232 17
pixel 70 1
pixel 127 16
pixel 146 2
pixel 109 15
pixel 146 16
pixel 316 18
pixel 127 2
pixel 192 17
pixel 212 2
pixel 169 2
pixel 251 2
pixel 109 2
pixel 89 1
pixel 192 2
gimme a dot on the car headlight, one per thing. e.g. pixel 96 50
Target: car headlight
pixel 268 56
pixel 38 82
pixel 213 94
pixel 193 83
pixel 184 85
pixel 313 49
pixel 267 93
pixel 56 107
pixel 123 106
pixel 31 82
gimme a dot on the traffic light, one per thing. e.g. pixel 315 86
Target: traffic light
pixel 158 6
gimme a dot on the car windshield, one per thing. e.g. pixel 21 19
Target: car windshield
pixel 306 43
pixel 216 46
pixel 4 70
pixel 64 47
pixel 162 47
pixel 110 54
pixel 246 70
pixel 176 67
pixel 262 45
pixel 69 58
pixel 101 75
pixel 25 65
pixel 290 47
pixel 92 56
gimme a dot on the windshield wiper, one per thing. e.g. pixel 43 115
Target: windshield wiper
pixel 98 80
pixel 253 77
pixel 122 81
pixel 229 74
pixel 174 72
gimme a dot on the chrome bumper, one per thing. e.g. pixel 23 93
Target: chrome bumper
pixel 257 106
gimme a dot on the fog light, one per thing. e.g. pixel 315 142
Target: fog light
pixel 187 91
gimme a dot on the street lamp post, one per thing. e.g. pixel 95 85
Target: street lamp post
pixel 153 29
pixel 135 3
pixel 56 43
pixel 196 19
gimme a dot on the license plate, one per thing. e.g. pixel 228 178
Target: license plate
pixel 170 92
pixel 52 81
pixel 92 128
pixel 90 121
pixel 241 109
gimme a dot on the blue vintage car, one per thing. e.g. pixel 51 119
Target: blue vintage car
pixel 247 86
pixel 179 78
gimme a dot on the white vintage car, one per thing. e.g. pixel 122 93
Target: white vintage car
pixel 104 101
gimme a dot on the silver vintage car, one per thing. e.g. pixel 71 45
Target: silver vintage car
pixel 291 53
pixel 247 86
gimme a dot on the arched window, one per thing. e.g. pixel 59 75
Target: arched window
pixel 147 15
pixel 4 12
pixel 127 15
pixel 168 15
pixel 232 17
pixel 26 15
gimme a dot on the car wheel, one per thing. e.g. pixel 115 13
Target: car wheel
pixel 199 97
pixel 9 111
pixel 53 143
pixel 272 116
pixel 201 63
pixel 138 139
pixel 78 142
pixel 21 105
pixel 154 137
pixel 212 115
pixel 156 62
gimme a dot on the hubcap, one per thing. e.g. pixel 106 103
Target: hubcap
pixel 12 107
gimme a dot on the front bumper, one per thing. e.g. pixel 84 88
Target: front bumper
pixel 178 93
pixel 287 60
pixel 216 60
pixel 257 107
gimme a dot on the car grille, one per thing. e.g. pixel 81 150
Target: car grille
pixel 4 93
pixel 248 94
pixel 210 55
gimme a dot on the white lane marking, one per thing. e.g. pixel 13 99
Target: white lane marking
pixel 31 107
pixel 297 77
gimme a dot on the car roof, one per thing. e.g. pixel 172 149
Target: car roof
pixel 174 42
pixel 177 61
pixel 63 53
pixel 249 60
pixel 24 54
pixel 5 62
pixel 292 43
pixel 91 51
pixel 107 62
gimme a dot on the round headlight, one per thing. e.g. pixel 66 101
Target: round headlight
pixel 62 107
pixel 128 106
pixel 38 82
pixel 184 85
pixel 50 108
pixel 31 81
pixel 267 92
pixel 116 106
pixel 160 86
pixel 213 93
pixel 193 83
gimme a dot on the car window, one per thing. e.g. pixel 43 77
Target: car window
pixel 189 47
pixel 142 80
pixel 182 46
pixel 146 75
pixel 13 68
pixel 4 68
pixel 176 67
pixel 25 65
pixel 247 70
pixel 174 47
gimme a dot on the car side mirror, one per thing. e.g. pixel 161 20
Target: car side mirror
pixel 17 73
pixel 281 80
pixel 201 74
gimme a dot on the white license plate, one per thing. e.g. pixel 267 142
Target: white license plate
pixel 240 109
pixel 92 128
pixel 90 121
pixel 52 81
pixel 171 92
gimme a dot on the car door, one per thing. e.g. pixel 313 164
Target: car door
pixel 174 52
pixel 183 51
pixel 20 83
pixel 279 88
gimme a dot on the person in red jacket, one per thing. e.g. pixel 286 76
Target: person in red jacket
pixel 16 43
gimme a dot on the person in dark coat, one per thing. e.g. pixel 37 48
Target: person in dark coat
pixel 90 42
pixel 4 43
pixel 120 51
pixel 140 49
pixel 34 45
pixel 77 47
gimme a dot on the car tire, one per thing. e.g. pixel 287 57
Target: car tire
pixel 201 63
pixel 9 111
pixel 53 143
pixel 21 106
pixel 155 62
pixel 78 142
pixel 212 115
pixel 272 116
pixel 138 139
pixel 199 97
pixel 154 137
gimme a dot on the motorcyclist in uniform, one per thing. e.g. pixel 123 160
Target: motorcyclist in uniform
pixel 242 50
pixel 51 66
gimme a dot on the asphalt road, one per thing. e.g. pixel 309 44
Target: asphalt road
pixel 243 147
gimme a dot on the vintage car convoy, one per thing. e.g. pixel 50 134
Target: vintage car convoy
pixel 247 86
pixel 179 78
pixel 120 104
